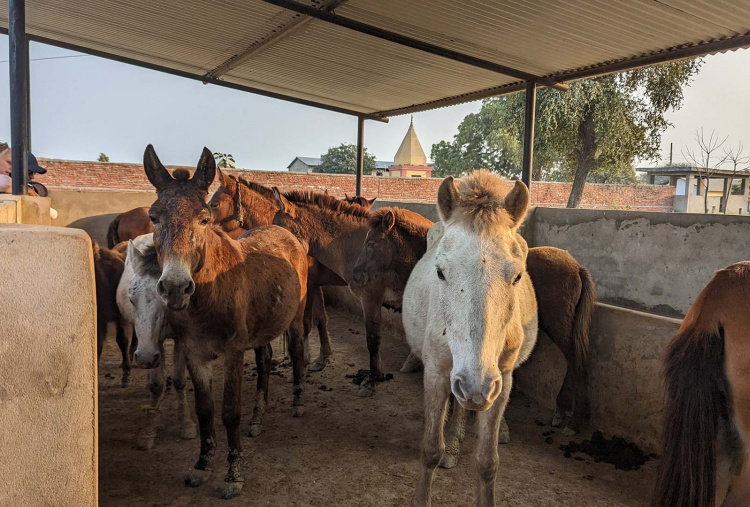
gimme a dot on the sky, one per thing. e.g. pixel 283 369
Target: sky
pixel 85 105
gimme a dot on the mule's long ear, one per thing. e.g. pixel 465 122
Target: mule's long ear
pixel 281 201
pixel 206 170
pixel 157 174
pixel 371 201
pixel 347 198
pixel 223 178
pixel 516 203
pixel 448 197
pixel 389 220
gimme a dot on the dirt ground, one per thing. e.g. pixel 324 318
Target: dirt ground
pixel 346 450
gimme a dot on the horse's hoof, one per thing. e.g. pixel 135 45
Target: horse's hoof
pixel 569 432
pixel 503 436
pixel 255 430
pixel 319 364
pixel 366 391
pixel 188 432
pixel 146 444
pixel 125 382
pixel 197 478
pixel 231 490
pixel 448 461
pixel 411 365
pixel 298 411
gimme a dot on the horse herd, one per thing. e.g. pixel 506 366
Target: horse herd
pixel 234 271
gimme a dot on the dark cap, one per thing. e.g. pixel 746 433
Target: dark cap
pixel 34 166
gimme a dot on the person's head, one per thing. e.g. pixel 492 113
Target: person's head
pixel 4 158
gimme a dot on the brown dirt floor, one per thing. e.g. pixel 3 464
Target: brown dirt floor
pixel 346 450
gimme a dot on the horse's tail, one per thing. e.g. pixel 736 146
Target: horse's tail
pixel 697 399
pixel 112 236
pixel 582 321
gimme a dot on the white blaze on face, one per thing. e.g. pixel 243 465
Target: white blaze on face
pixel 476 302
pixel 149 318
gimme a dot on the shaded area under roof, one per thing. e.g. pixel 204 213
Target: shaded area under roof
pixel 256 46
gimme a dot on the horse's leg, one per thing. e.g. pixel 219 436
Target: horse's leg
pixel 230 416
pixel 412 364
pixel 320 317
pixel 307 324
pixel 201 373
pixel 133 340
pixel 179 379
pixel 455 434
pixel 263 367
pixel 101 335
pixel 503 435
pixel 156 386
pixel 124 343
pixel 371 307
pixel 297 353
pixel 487 433
pixel 564 398
pixel 436 391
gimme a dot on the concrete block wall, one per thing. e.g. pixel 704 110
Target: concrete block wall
pixel 48 386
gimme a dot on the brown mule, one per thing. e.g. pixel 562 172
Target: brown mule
pixel 129 225
pixel 566 297
pixel 108 267
pixel 224 297
pixel 706 433
pixel 239 205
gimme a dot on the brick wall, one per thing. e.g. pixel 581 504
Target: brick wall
pixel 70 174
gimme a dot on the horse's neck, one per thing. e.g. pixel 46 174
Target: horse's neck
pixel 258 209
pixel 336 243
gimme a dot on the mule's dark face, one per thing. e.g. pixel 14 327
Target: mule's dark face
pixel 377 254
pixel 226 210
pixel 181 218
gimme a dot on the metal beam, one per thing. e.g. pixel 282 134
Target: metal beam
pixel 198 77
pixel 528 133
pixel 410 42
pixel 664 56
pixel 19 91
pixel 360 154
pixel 265 42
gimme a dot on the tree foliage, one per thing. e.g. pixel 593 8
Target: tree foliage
pixel 593 132
pixel 342 159
pixel 224 160
pixel 102 157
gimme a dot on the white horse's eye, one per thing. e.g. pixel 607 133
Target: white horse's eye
pixel 440 274
pixel 518 279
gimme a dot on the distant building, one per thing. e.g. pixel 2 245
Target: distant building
pixel 410 160
pixel 690 188
pixel 310 164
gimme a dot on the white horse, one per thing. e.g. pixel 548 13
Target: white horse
pixel 470 315
pixel 137 297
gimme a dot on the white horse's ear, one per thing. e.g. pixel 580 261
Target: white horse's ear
pixel 133 254
pixel 448 197
pixel 516 203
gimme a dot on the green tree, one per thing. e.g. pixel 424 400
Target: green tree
pixel 224 160
pixel 592 132
pixel 342 159
pixel 103 158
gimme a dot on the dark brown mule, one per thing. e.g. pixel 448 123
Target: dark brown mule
pixel 108 267
pixel 239 205
pixel 333 229
pixel 362 201
pixel 224 297
pixel 129 225
pixel 566 297
pixel 706 433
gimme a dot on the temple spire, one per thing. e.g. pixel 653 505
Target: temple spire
pixel 410 152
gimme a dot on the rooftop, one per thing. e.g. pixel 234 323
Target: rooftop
pixel 682 170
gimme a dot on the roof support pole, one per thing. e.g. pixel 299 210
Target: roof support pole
pixel 528 133
pixel 360 153
pixel 19 93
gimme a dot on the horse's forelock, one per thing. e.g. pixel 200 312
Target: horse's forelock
pixel 481 205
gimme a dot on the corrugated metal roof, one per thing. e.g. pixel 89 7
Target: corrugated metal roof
pixel 331 65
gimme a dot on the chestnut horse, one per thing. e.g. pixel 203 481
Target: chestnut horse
pixel 129 225
pixel 565 292
pixel 239 205
pixel 224 296
pixel 108 267
pixel 706 433
pixel 470 314
pixel 333 229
